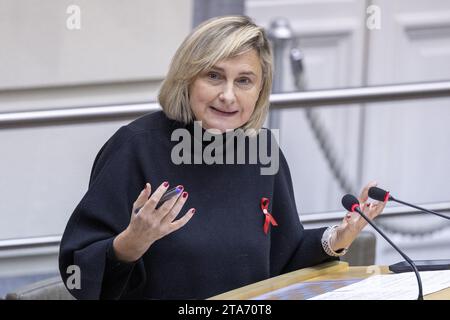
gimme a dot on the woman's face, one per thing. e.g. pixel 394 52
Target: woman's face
pixel 225 96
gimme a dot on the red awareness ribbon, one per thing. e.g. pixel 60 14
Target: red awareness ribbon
pixel 269 217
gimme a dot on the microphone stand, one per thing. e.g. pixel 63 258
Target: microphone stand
pixel 418 208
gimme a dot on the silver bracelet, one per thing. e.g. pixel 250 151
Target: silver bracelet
pixel 326 238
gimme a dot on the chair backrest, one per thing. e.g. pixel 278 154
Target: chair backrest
pixel 362 251
pixel 48 289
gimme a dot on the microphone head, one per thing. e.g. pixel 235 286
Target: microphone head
pixel 350 202
pixel 379 194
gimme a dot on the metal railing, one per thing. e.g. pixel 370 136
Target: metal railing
pixel 25 118
pixel 442 207
pixel 333 216
pixel 386 93
pixel 27 243
pixel 314 98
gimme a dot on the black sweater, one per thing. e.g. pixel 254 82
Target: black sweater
pixel 221 248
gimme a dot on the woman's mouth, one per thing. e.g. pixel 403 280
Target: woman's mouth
pixel 223 113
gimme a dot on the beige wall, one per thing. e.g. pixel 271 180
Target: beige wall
pixel 126 43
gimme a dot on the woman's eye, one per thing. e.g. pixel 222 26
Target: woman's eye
pixel 244 81
pixel 213 75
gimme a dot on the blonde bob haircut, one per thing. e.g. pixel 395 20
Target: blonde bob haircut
pixel 212 41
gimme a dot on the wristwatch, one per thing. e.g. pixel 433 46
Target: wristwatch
pixel 326 238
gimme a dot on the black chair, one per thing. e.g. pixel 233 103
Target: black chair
pixel 362 251
pixel 48 289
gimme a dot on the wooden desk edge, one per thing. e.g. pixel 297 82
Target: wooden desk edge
pixel 281 281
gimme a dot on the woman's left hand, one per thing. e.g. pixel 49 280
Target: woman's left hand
pixel 353 223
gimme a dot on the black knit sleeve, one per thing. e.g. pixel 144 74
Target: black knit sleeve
pixel 292 247
pixel 100 216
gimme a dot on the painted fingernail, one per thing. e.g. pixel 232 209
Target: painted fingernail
pixel 179 188
pixel 184 195
pixel 368 204
pixel 166 184
pixel 193 210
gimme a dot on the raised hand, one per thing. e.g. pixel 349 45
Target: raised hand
pixel 148 224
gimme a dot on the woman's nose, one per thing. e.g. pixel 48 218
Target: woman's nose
pixel 228 95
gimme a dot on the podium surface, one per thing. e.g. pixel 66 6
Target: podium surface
pixel 335 272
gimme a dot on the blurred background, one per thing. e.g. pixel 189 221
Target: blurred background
pixel 73 72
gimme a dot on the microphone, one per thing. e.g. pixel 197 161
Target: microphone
pixel 423 265
pixel 383 195
pixel 351 204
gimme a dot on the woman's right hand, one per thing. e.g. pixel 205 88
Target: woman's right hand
pixel 150 224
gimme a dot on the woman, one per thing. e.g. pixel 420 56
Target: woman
pixel 246 228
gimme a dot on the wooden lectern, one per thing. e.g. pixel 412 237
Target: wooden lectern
pixel 335 270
